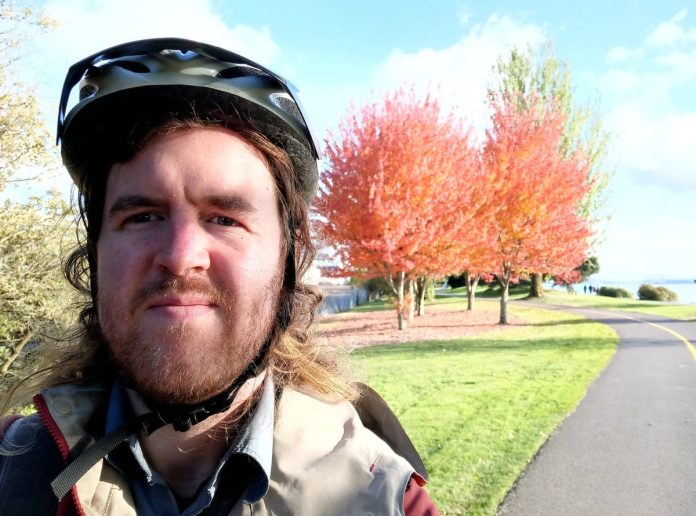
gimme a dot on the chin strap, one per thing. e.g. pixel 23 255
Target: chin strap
pixel 181 417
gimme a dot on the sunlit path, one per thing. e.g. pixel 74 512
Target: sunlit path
pixel 629 448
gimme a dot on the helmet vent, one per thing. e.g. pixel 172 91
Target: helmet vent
pixel 87 91
pixel 288 105
pixel 233 72
pixel 131 66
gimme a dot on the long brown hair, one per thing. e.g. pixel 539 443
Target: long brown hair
pixel 294 357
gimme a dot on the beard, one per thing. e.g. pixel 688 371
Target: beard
pixel 184 363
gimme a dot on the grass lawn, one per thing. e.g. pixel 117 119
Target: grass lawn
pixel 675 311
pixel 491 291
pixel 478 408
pixel 672 310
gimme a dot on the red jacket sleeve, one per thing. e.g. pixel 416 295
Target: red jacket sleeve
pixel 417 502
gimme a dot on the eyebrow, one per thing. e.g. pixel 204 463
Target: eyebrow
pixel 129 202
pixel 231 203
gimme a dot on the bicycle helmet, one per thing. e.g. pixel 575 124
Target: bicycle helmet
pixel 141 81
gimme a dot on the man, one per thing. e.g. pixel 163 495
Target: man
pixel 194 386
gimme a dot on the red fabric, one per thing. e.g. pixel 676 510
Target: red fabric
pixel 69 505
pixel 417 502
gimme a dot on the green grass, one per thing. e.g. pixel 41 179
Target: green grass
pixel 479 408
pixel 374 306
pixel 491 291
pixel 674 311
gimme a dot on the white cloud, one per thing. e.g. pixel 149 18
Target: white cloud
pixel 623 54
pixel 671 32
pixel 654 128
pixel 679 65
pixel 463 70
pixel 655 149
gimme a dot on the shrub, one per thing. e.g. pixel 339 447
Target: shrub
pixel 667 294
pixel 456 280
pixel 614 292
pixel 377 288
pixel 649 292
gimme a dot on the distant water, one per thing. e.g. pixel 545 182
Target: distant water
pixel 685 289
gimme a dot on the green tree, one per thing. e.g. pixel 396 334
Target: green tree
pixel 24 138
pixel 34 297
pixel 589 267
pixel 534 79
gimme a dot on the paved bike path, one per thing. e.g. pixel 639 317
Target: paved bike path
pixel 630 446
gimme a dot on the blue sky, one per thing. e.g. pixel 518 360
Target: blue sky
pixel 637 58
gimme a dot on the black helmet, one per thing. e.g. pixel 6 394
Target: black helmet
pixel 139 81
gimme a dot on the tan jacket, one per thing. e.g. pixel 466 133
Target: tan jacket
pixel 325 461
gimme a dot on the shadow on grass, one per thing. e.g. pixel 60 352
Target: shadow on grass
pixel 486 295
pixel 461 346
pixel 380 305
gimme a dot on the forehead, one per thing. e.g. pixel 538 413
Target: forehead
pixel 194 161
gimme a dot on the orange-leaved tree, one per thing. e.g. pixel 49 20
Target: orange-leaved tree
pixel 466 227
pixel 537 222
pixel 390 201
pixel 538 77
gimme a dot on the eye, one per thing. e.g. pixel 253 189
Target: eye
pixel 223 221
pixel 140 218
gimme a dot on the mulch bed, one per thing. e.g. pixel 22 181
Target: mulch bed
pixel 356 329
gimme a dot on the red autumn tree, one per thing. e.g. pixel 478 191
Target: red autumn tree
pixel 391 201
pixel 466 229
pixel 537 224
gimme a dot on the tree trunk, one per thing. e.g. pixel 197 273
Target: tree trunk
pixel 471 283
pixel 421 288
pixel 505 286
pixel 400 300
pixel 537 289
pixel 410 302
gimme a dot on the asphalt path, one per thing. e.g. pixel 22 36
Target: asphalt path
pixel 630 446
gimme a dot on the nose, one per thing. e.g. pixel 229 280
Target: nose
pixel 183 248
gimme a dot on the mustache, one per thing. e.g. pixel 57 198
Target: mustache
pixel 182 285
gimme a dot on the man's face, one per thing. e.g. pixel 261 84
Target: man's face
pixel 189 263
